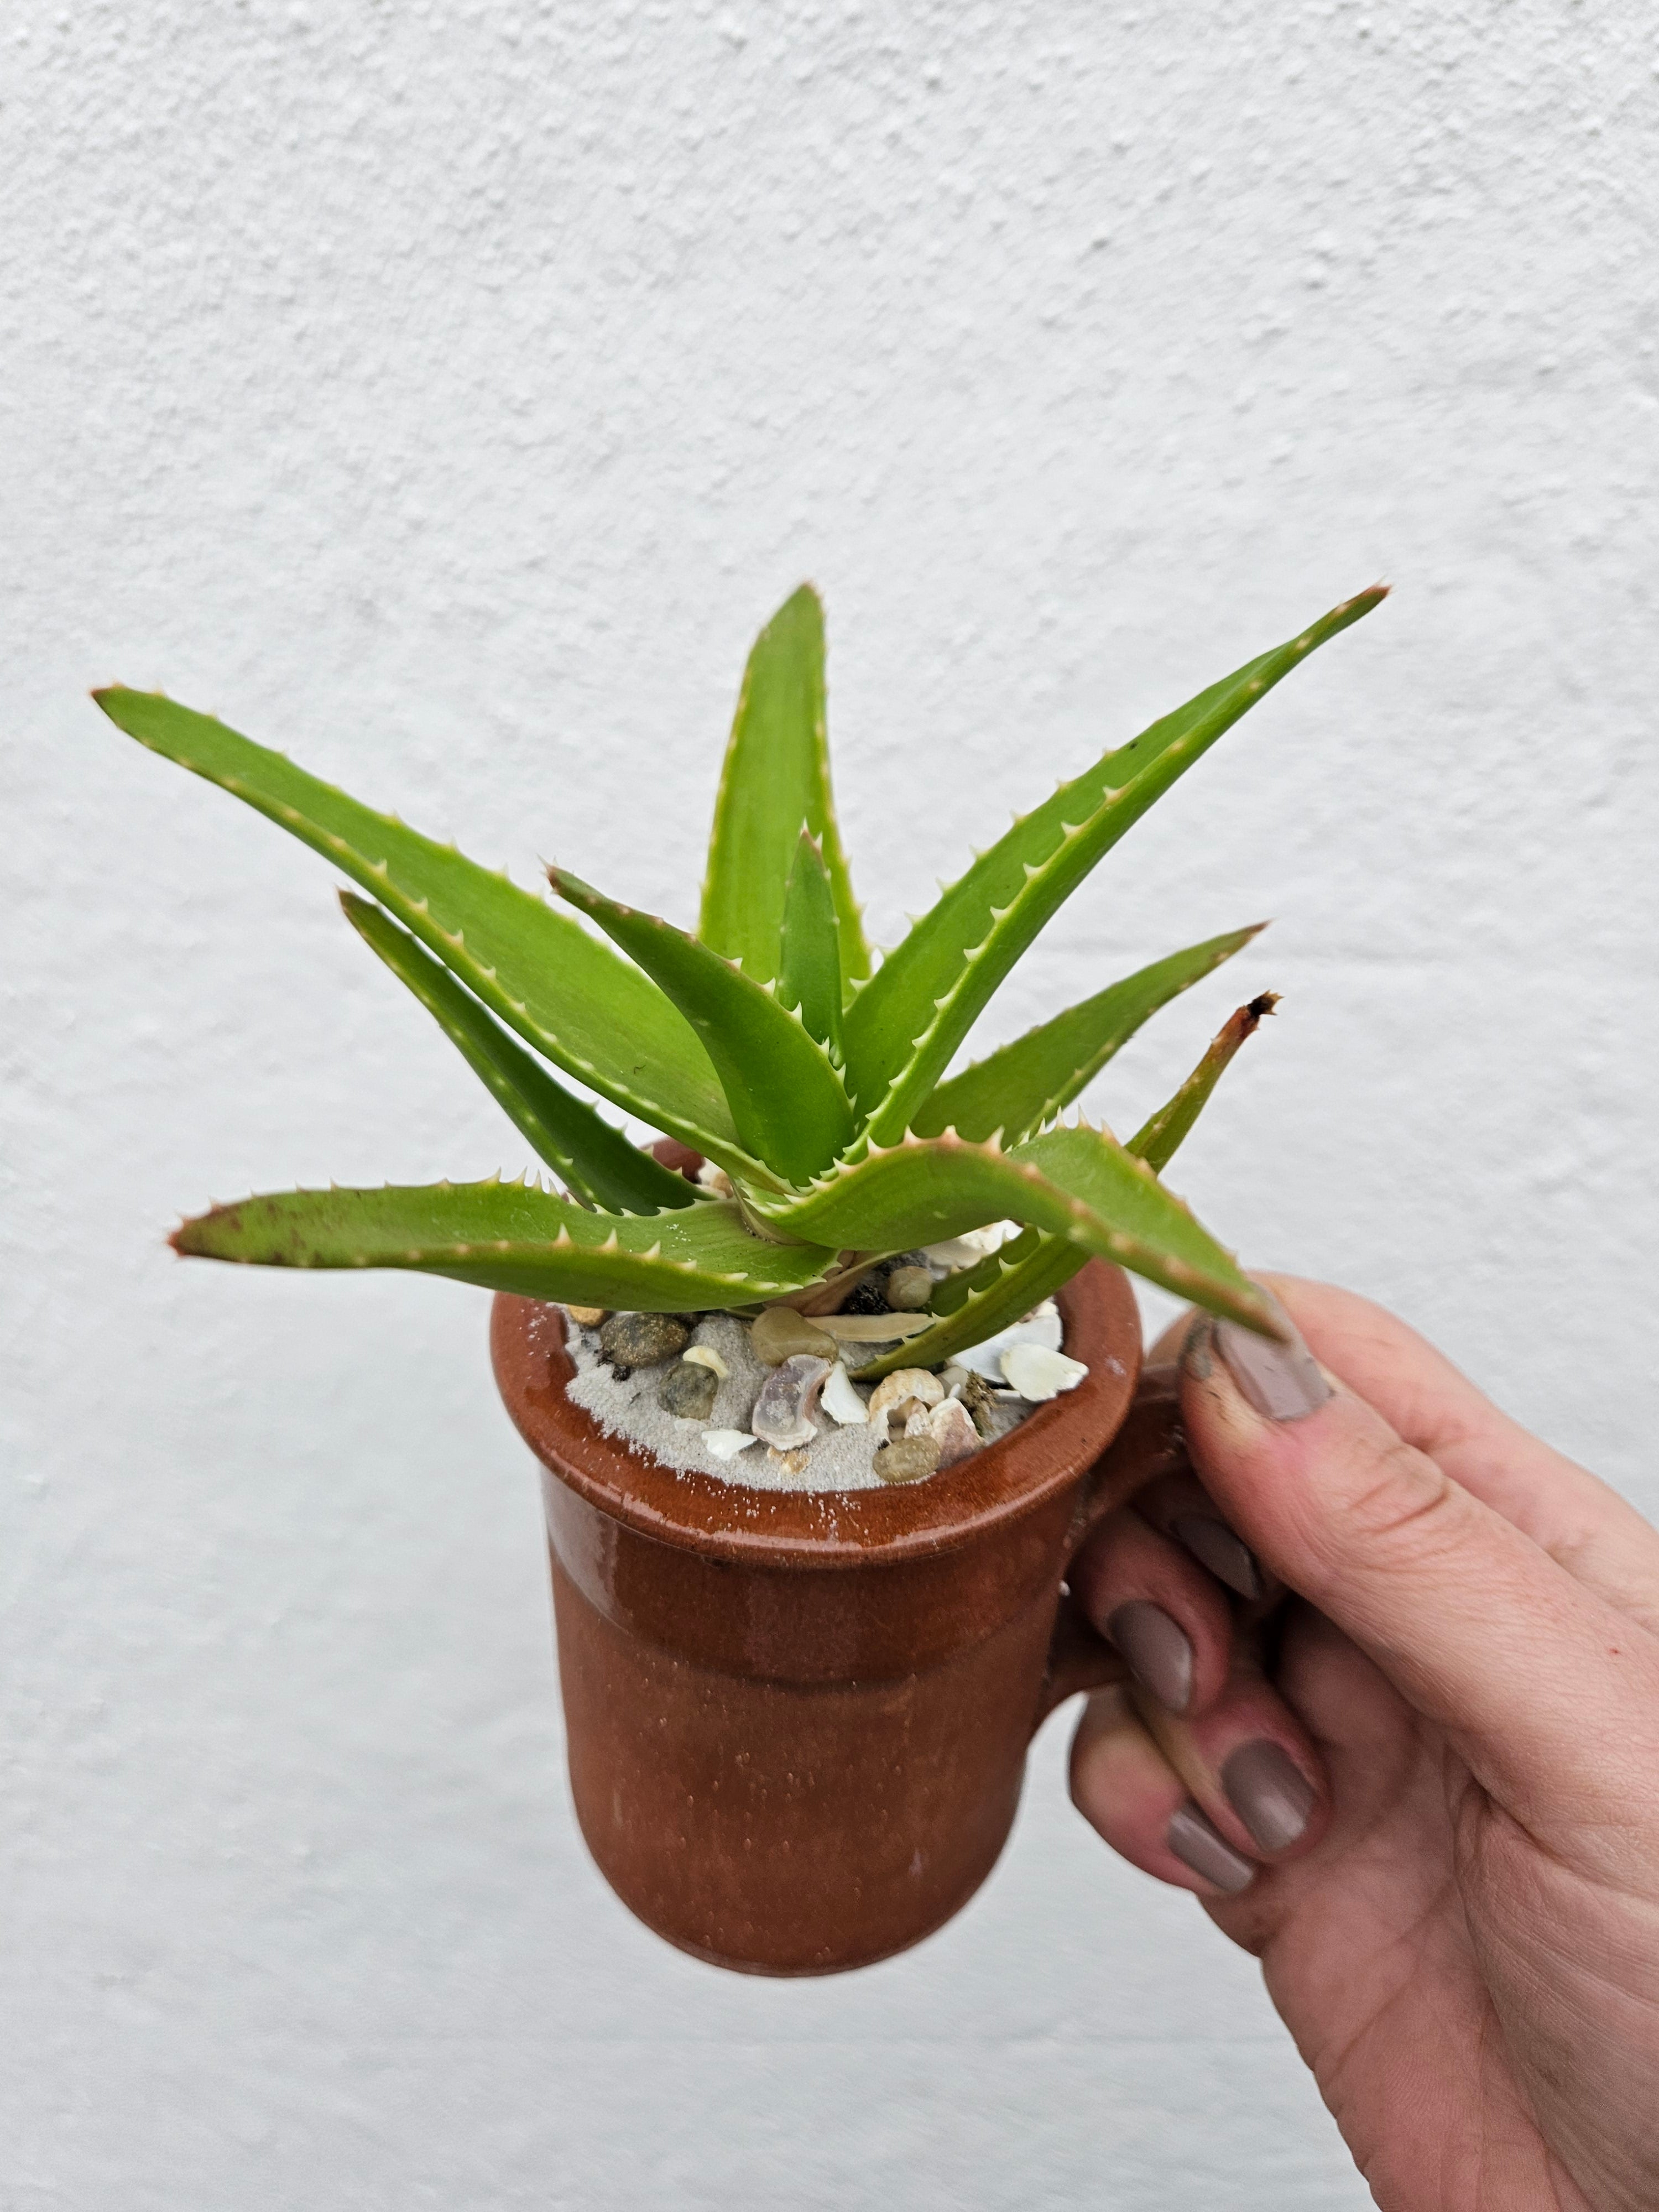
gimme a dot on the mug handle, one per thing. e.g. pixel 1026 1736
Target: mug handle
pixel 1148 1444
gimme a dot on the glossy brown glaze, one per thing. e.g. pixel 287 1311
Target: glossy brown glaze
pixel 797 1720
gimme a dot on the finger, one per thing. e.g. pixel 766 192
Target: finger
pixel 1248 1764
pixel 1179 1507
pixel 1128 1791
pixel 1564 1509
pixel 1548 1693
pixel 1159 1608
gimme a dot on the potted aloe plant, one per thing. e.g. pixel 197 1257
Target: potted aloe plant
pixel 797 1687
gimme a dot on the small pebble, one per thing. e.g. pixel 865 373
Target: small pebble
pixel 787 1462
pixel 783 1411
pixel 688 1390
pixel 905 1382
pixel 909 1289
pixel 726 1444
pixel 587 1316
pixel 704 1355
pixel 906 1459
pixel 952 1428
pixel 1038 1373
pixel 641 1339
pixel 780 1333
pixel 840 1400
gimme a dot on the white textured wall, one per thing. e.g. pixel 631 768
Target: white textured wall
pixel 446 394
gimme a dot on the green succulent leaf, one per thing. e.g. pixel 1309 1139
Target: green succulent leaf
pixel 1079 1184
pixel 977 1302
pixel 563 992
pixel 595 1162
pixel 1029 1268
pixel 513 1237
pixel 1018 1089
pixel 788 1104
pixel 906 1023
pixel 1156 1141
pixel 809 975
pixel 775 779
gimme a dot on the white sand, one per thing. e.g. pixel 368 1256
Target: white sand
pixel 837 1459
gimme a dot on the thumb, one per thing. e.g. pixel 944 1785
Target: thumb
pixel 1549 1693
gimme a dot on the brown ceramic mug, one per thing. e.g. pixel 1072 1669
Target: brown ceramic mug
pixel 797 1720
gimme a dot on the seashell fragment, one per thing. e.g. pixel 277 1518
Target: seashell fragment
pixel 783 1411
pixel 952 1428
pixel 840 1400
pixel 873 1327
pixel 1037 1372
pixel 1040 1327
pixel 726 1444
pixel 792 1463
pixel 905 1382
pixel 704 1355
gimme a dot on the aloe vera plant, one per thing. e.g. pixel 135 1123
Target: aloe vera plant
pixel 814 1080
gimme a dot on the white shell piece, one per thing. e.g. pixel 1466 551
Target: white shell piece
pixel 782 1413
pixel 953 1377
pixel 841 1399
pixel 965 1251
pixel 919 1422
pixel 905 1382
pixel 1038 1373
pixel 872 1328
pixel 726 1444
pixel 1041 1327
pixel 952 1428
pixel 704 1355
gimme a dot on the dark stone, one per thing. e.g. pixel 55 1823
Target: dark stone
pixel 688 1390
pixel 641 1339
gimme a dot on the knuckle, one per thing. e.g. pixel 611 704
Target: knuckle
pixel 1403 1507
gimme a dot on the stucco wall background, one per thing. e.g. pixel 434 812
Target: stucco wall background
pixel 446 395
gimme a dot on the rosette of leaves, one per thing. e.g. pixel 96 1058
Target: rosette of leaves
pixel 769 1040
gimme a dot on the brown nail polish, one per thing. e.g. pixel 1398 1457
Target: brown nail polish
pixel 1214 1546
pixel 1160 1657
pixel 1281 1381
pixel 1269 1792
pixel 1196 1844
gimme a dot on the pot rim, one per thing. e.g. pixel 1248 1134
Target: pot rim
pixel 826 1529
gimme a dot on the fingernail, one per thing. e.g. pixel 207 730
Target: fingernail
pixel 1159 1655
pixel 1214 1544
pixel 1195 1349
pixel 1197 1845
pixel 1281 1381
pixel 1269 1792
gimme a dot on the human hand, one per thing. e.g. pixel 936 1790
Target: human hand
pixel 1425 1794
